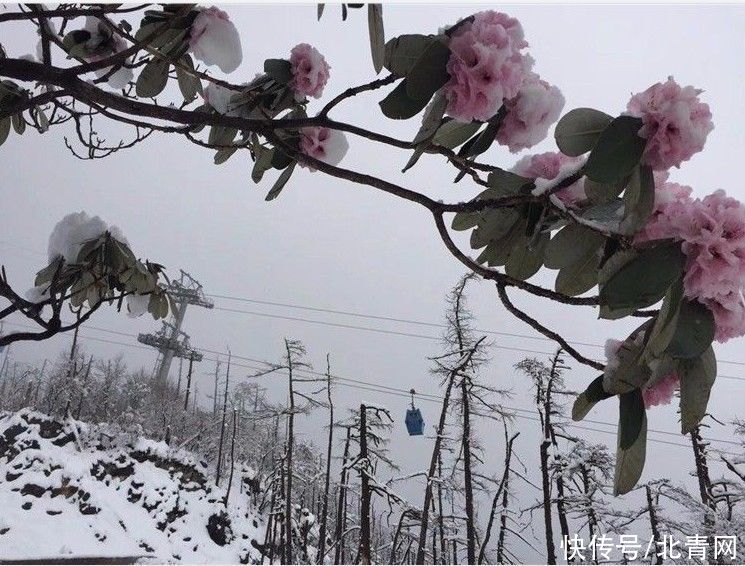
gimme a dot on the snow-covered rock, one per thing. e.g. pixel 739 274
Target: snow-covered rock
pixel 68 488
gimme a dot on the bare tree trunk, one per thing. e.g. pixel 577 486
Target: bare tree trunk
pixel 188 384
pixel 468 480
pixel 592 519
pixel 503 486
pixel 654 525
pixel 82 389
pixel 327 484
pixel 340 515
pixel 424 524
pixel 232 457
pixel 222 426
pixel 546 485
pixel 217 380
pixel 561 508
pixel 290 447
pixel 364 548
pixel 440 521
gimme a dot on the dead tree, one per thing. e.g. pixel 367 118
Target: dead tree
pixel 327 481
pixel 222 425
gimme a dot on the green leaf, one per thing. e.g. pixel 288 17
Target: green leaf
pixel 638 200
pixel 402 52
pixel 665 322
pixel 377 35
pixel 600 193
pixel 280 183
pixel 432 118
pixel 525 260
pixel 453 133
pixel 697 377
pixel 497 252
pixel 262 164
pixel 189 85
pixel 493 225
pixel 42 119
pixel 221 135
pixel 428 74
pixel 153 78
pixel 4 129
pixel 644 279
pixel 579 130
pixel 617 151
pixel 506 183
pixel 19 124
pixel 589 398
pixel 398 105
pixel 223 154
pixel 571 245
pixel 484 140
pixel 465 220
pixel 632 442
pixel 694 331
pixel 631 372
pixel 578 277
pixel 279 69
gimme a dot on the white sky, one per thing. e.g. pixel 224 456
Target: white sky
pixel 326 243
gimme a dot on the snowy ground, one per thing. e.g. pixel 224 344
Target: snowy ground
pixel 69 489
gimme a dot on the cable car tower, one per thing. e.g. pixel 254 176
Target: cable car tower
pixel 170 341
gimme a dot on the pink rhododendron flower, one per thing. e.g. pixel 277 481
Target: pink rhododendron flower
pixel 553 165
pixel 712 232
pixel 310 71
pixel 214 40
pixel 324 144
pixel 486 66
pixel 530 114
pixel 661 393
pixel 675 123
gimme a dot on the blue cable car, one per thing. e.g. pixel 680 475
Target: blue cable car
pixel 414 420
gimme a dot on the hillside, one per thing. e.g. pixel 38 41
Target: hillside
pixel 69 489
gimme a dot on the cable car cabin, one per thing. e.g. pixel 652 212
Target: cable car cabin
pixel 414 422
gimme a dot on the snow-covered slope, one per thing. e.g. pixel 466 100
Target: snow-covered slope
pixel 71 489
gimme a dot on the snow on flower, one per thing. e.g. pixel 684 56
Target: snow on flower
pixel 712 232
pixel 553 165
pixel 530 114
pixel 310 71
pixel 612 347
pixel 486 66
pixel 661 392
pixel 102 44
pixel 73 231
pixel 214 40
pixel 675 123
pixel 137 305
pixel 324 144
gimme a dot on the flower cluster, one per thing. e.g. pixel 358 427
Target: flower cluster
pixel 661 392
pixel 486 66
pixel 310 71
pixel 712 230
pixel 530 114
pixel 214 40
pixel 553 165
pixel 323 144
pixel 675 123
